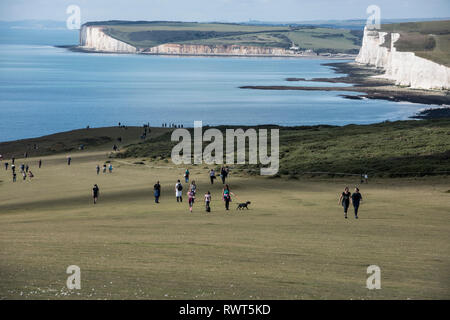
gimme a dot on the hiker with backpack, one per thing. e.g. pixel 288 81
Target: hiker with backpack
pixel 179 191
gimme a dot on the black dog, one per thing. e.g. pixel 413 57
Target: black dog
pixel 243 205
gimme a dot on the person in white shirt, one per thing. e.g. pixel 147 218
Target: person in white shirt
pixel 208 201
pixel 212 175
pixel 179 191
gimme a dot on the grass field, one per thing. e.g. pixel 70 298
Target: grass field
pixel 429 39
pixel 150 34
pixel 293 243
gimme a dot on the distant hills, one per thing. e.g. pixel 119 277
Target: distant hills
pixel 346 24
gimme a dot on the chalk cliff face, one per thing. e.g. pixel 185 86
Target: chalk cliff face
pixel 93 38
pixel 405 68
pixel 173 48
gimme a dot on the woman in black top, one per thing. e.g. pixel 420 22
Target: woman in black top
pixel 344 199
pixel 95 192
pixel 356 200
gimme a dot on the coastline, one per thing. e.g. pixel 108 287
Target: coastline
pixel 339 56
pixel 364 80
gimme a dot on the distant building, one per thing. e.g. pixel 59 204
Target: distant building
pixel 294 47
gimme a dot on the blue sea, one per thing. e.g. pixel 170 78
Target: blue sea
pixel 45 89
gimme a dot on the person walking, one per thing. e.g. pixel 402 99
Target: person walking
pixel 97 168
pixel 95 193
pixel 104 168
pixel 193 187
pixel 212 176
pixel 344 200
pixel 14 177
pixel 208 201
pixel 186 176
pixel 40 163
pixel 69 160
pixel 356 201
pixel 157 191
pixel 226 196
pixel 191 197
pixel 224 174
pixel 6 166
pixel 179 191
pixel 110 168
pixel 13 168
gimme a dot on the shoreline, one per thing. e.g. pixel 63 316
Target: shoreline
pixel 325 57
pixel 364 80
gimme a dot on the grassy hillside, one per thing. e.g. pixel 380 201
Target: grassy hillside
pixel 403 148
pixel 389 149
pixel 293 242
pixel 429 39
pixel 149 34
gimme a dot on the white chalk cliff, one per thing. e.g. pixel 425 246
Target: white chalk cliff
pixel 94 39
pixel 405 68
pixel 194 49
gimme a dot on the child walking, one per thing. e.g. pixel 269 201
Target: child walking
pixel 208 201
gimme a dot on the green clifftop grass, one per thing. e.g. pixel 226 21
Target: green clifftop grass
pixel 429 39
pixel 402 148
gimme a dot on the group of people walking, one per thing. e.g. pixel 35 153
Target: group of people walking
pixel 346 197
pixel 171 125
pixel 110 168
pixel 24 170
pixel 192 191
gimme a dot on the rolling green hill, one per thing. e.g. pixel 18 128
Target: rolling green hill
pixel 388 149
pixel 144 34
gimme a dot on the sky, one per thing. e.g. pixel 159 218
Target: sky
pixel 221 10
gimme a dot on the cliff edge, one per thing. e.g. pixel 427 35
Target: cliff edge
pixel 192 38
pixel 93 38
pixel 405 68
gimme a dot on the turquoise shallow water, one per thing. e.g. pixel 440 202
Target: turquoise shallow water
pixel 44 90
